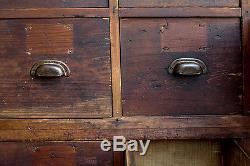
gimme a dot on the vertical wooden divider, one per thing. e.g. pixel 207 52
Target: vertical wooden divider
pixel 115 57
pixel 246 53
pixel 235 155
pixel 119 159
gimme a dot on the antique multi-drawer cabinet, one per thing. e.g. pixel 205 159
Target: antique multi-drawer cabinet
pixel 75 72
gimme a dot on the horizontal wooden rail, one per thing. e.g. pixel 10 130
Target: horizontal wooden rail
pixel 180 12
pixel 53 13
pixel 123 12
pixel 210 127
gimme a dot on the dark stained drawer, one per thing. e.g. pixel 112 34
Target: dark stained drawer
pixel 54 153
pixel 82 44
pixel 13 4
pixel 179 3
pixel 149 46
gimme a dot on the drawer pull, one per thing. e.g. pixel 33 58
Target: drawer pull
pixel 50 69
pixel 187 67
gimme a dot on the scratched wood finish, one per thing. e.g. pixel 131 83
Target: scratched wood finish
pixel 179 153
pixel 54 153
pixel 148 46
pixel 179 3
pixel 153 128
pixel 13 4
pixel 83 44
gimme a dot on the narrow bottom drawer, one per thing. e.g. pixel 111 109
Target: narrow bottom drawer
pixel 54 153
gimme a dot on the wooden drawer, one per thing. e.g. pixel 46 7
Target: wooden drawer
pixel 179 3
pixel 149 46
pixel 82 44
pixel 54 153
pixel 179 153
pixel 6 4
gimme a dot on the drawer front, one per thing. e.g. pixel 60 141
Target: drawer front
pixel 54 153
pixel 149 46
pixel 13 4
pixel 82 44
pixel 179 3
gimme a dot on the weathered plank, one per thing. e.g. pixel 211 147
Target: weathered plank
pixel 179 3
pixel 154 128
pixel 53 13
pixel 13 4
pixel 180 12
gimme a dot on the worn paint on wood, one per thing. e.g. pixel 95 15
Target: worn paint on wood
pixel 42 39
pixel 187 41
pixel 149 46
pixel 83 44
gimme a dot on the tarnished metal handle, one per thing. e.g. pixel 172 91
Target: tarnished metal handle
pixel 50 69
pixel 187 67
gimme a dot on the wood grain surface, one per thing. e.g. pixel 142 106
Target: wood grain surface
pixel 54 13
pixel 149 46
pixel 154 128
pixel 54 153
pixel 6 4
pixel 83 44
pixel 179 3
pixel 180 12
pixel 246 53
pixel 115 57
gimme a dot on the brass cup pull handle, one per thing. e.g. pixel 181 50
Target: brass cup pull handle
pixel 187 67
pixel 49 69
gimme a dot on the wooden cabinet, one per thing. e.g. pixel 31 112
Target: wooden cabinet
pixel 75 72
